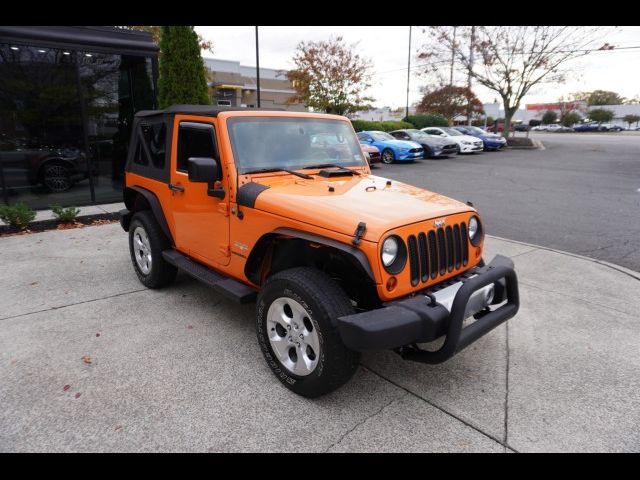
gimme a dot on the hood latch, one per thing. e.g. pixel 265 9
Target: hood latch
pixel 357 235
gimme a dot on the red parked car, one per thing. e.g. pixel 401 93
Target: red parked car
pixel 373 153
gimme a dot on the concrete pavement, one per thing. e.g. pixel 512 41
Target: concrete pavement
pixel 180 369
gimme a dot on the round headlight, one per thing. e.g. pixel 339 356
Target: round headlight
pixel 389 251
pixel 393 254
pixel 475 233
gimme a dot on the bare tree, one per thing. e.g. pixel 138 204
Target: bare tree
pixel 509 59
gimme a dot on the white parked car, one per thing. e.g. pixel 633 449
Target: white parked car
pixel 466 143
pixel 556 127
pixel 608 127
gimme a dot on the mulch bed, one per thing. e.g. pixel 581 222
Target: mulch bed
pixel 520 142
pixel 44 225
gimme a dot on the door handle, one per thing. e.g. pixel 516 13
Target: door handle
pixel 176 188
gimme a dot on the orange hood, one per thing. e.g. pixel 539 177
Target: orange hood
pixel 364 198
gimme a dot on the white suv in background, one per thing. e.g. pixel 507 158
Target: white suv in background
pixel 466 143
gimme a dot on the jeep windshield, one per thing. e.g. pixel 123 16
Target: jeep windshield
pixel 262 144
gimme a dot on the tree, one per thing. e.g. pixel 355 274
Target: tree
pixel 601 115
pixel 570 118
pixel 549 117
pixel 330 77
pixel 450 102
pixel 508 59
pixel 155 32
pixel 182 72
pixel 429 120
pixel 631 119
pixel 605 97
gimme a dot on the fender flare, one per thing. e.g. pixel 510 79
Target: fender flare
pixel 264 240
pixel 156 209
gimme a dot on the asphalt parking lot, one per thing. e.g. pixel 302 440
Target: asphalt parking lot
pixel 92 361
pixel 581 194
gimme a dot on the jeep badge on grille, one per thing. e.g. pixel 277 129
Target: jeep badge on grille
pixel 439 223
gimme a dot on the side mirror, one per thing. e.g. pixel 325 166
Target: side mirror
pixel 202 169
pixel 205 170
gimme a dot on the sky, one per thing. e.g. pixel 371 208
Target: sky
pixel 386 47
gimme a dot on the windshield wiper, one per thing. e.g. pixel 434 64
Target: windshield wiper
pixel 333 165
pixel 292 172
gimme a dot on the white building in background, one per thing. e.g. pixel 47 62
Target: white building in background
pixel 374 115
pixel 537 110
pixel 382 114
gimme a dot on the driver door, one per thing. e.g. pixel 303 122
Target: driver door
pixel 201 221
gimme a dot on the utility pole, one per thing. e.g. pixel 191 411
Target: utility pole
pixel 473 40
pixel 453 56
pixel 257 68
pixel 408 74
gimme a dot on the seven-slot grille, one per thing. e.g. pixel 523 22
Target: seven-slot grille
pixel 437 252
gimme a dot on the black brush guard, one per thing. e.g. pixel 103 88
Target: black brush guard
pixel 401 324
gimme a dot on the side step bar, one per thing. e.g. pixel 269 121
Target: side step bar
pixel 230 288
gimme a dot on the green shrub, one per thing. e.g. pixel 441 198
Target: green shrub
pixel 429 120
pixel 65 215
pixel 388 126
pixel 17 215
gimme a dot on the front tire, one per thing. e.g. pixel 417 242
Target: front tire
pixel 295 322
pixel 388 157
pixel 146 243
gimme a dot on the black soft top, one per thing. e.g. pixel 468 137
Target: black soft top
pixel 206 110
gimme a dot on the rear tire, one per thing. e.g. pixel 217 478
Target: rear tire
pixel 146 243
pixel 295 322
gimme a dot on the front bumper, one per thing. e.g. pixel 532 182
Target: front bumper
pixel 471 148
pixel 494 145
pixel 429 315
pixel 443 152
pixel 410 155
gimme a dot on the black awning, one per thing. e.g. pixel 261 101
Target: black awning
pixel 103 39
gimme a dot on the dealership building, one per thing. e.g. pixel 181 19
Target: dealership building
pixel 67 99
pixel 233 84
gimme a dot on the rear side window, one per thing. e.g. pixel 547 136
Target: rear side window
pixel 140 157
pixel 151 143
pixel 195 140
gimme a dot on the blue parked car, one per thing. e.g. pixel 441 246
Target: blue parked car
pixel 491 141
pixel 586 127
pixel 392 149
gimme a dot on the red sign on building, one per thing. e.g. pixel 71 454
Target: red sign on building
pixel 556 106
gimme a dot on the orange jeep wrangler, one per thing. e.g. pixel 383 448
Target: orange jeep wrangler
pixel 339 261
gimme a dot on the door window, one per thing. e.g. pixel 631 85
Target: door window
pixel 195 140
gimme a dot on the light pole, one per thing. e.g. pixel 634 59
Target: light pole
pixel 257 68
pixel 408 74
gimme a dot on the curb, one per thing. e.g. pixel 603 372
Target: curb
pixel 613 266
